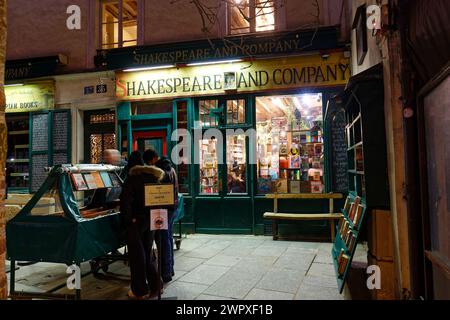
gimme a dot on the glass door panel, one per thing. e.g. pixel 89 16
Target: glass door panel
pixel 209 170
pixel 236 164
pixel 235 111
pixel 209 113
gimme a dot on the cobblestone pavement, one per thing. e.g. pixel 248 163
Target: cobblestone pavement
pixel 214 267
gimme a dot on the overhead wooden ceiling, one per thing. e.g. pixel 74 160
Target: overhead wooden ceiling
pixel 129 9
pixel 309 105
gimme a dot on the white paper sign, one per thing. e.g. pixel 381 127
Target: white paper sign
pixel 159 219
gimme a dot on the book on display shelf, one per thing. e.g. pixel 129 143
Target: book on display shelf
pixel 106 179
pixel 98 180
pixel 78 181
pixel 343 264
pixel 90 181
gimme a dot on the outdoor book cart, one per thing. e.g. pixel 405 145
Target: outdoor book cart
pixel 51 227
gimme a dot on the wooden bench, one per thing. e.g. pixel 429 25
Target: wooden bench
pixel 331 216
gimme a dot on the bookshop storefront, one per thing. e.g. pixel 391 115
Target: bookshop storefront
pixel 29 115
pixel 250 128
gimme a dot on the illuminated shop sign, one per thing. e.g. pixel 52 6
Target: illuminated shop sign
pixel 269 45
pixel 259 75
pixel 29 97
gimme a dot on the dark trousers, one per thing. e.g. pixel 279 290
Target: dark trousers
pixel 144 274
pixel 166 247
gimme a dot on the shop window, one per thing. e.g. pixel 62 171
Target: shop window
pixel 209 174
pixel 251 16
pixel 290 144
pixel 209 113
pixel 156 107
pixel 183 166
pixel 236 111
pixel 18 157
pixel 119 23
pixel 236 164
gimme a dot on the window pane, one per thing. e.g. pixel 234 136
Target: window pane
pixel 183 167
pixel 239 17
pixel 110 11
pixel 209 116
pixel 110 35
pixel 110 24
pixel 129 22
pixel 236 111
pixel 236 156
pixel 265 15
pixel 290 144
pixel 209 182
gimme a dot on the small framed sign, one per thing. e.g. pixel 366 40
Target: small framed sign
pixel 159 195
pixel 159 219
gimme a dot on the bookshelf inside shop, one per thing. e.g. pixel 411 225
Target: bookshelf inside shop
pixel 18 158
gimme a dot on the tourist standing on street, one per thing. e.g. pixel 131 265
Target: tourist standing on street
pixel 144 274
pixel 151 157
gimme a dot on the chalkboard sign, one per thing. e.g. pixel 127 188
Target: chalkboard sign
pixel 60 131
pixel 339 160
pixel 40 132
pixel 39 162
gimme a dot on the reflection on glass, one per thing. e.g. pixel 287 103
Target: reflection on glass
pixel 236 164
pixel 236 111
pixel 207 116
pixel 209 182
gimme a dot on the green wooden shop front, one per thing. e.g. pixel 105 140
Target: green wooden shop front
pixel 222 211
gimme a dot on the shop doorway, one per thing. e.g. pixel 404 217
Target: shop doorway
pixel 224 198
pixel 99 134
pixel 155 140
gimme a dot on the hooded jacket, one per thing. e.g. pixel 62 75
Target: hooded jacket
pixel 170 175
pixel 132 198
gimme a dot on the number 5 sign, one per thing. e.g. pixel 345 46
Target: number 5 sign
pixel 373 17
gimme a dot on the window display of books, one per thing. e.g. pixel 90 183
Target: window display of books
pixel 208 167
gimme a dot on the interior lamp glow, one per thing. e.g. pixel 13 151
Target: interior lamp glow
pixel 212 62
pixel 150 68
pixel 14 85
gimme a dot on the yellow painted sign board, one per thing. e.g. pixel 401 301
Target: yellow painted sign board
pixel 30 97
pixel 238 77
pixel 159 195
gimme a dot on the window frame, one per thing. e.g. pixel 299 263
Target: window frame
pixel 252 22
pixel 120 41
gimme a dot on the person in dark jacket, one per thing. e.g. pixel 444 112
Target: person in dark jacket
pixel 166 246
pixel 144 274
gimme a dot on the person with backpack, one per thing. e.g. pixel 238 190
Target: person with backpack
pixel 151 157
pixel 136 218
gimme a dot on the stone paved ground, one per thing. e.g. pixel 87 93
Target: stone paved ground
pixel 216 267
